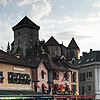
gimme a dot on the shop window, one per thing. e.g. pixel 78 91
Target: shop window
pixel 56 75
pixel 17 78
pixel 11 77
pixel 1 77
pixel 27 79
pixel 20 78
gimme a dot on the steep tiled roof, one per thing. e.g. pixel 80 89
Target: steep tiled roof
pixel 93 56
pixel 26 22
pixel 36 60
pixel 6 58
pixel 52 42
pixel 73 44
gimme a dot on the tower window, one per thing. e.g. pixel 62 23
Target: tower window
pixel 18 41
pixel 18 33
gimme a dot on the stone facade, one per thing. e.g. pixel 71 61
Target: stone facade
pixel 25 36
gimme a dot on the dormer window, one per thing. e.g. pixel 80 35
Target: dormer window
pixel 87 60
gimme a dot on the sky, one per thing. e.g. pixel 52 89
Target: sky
pixel 63 19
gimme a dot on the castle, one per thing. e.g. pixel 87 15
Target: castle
pixel 26 35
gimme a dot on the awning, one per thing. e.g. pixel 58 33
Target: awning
pixel 56 72
pixel 67 74
pixel 11 94
pixel 44 86
pixel 67 86
pixel 56 85
pixel 43 71
pixel 16 97
pixel 37 85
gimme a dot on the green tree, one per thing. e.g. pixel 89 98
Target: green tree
pixel 38 48
pixel 18 50
pixel 8 48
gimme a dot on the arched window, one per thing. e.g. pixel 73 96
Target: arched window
pixel 42 74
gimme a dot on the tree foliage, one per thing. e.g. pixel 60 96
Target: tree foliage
pixel 38 48
pixel 8 48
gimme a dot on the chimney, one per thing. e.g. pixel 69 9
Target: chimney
pixel 84 54
pixel 90 50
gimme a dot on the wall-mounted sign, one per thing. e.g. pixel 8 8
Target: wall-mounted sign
pixel 18 69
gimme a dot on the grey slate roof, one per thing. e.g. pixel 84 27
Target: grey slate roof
pixel 73 44
pixel 52 42
pixel 26 22
pixel 35 60
pixel 6 58
pixel 93 56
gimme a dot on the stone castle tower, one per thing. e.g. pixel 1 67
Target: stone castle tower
pixel 73 50
pixel 26 34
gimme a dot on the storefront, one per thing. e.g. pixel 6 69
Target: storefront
pixel 72 97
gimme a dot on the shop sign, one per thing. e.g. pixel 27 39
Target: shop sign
pixel 18 69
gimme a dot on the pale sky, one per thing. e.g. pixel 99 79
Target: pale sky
pixel 62 19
